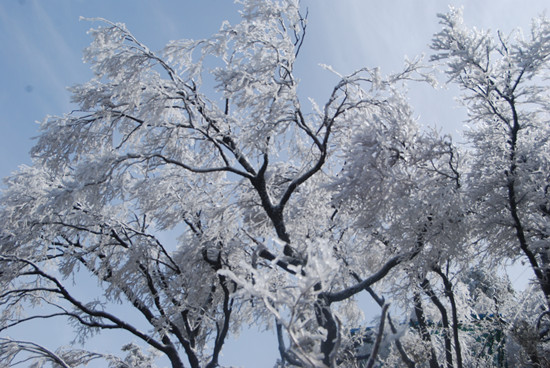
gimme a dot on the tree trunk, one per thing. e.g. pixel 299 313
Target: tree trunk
pixel 424 333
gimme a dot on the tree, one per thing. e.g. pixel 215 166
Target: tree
pixel 508 112
pixel 508 173
pixel 199 191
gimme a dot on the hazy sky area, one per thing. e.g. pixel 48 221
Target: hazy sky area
pixel 41 43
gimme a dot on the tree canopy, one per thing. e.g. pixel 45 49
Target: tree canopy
pixel 198 189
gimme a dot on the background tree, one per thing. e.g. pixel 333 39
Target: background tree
pixel 508 114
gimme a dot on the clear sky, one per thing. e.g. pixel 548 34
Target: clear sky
pixel 41 43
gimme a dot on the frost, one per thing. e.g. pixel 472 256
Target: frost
pixel 196 190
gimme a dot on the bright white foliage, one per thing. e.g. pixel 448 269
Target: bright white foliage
pixel 198 190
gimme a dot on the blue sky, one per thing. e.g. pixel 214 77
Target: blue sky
pixel 42 41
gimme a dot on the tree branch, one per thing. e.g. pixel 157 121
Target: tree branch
pixel 378 341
